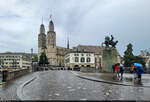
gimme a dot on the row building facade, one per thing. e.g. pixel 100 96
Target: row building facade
pixel 15 60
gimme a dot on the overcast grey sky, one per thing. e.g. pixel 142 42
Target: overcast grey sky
pixel 86 22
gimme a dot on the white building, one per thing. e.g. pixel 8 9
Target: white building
pixel 15 60
pixel 79 59
pixel 146 54
pixel 95 56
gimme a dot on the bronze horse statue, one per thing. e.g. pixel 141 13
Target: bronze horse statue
pixel 109 41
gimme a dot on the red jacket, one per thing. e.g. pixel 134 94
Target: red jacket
pixel 116 68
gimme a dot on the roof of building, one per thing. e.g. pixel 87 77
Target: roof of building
pixel 59 47
pixel 51 22
pixel 71 51
pixel 17 53
pixel 90 48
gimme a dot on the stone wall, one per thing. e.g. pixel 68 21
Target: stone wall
pixel 89 69
pixel 109 57
pixel 14 74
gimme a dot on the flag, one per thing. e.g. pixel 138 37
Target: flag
pixel 51 16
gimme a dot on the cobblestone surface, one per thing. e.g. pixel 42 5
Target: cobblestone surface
pixel 9 90
pixel 63 85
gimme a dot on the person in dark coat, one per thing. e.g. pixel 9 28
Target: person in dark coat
pixel 121 70
pixel 113 68
pixel 138 69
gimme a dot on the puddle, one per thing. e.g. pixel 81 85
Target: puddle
pixel 109 77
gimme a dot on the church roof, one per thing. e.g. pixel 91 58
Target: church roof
pixel 42 25
pixel 51 22
pixel 59 47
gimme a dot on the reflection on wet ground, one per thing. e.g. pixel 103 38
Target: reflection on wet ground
pixel 111 77
pixel 63 85
pixel 8 91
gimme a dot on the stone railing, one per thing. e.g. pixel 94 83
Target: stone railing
pixel 17 73
pixel 89 69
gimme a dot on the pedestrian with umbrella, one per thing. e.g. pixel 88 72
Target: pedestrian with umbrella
pixel 138 71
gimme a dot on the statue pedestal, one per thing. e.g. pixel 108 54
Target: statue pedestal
pixel 109 57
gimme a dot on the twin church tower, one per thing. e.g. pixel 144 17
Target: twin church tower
pixel 47 44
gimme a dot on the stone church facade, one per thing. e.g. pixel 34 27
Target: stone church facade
pixel 47 44
pixel 56 54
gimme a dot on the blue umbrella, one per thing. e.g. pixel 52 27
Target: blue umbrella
pixel 139 68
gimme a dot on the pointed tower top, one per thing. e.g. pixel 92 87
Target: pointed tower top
pixel 51 24
pixel 67 42
pixel 42 28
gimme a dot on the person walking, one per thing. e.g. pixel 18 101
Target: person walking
pixel 133 69
pixel 113 68
pixel 121 71
pixel 140 71
pixel 117 70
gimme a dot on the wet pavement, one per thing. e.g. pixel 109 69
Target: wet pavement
pixel 128 79
pixel 64 85
pixel 8 91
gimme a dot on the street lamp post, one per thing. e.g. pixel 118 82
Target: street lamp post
pixel 44 62
pixel 31 60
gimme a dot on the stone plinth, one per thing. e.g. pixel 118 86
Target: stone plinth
pixel 88 69
pixel 109 57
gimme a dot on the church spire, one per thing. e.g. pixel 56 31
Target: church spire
pixel 68 43
pixel 42 28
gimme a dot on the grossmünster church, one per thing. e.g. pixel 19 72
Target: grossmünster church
pixel 47 44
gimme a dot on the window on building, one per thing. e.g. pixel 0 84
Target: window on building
pixel 67 60
pixel 88 59
pixel 82 59
pixel 76 59
pixel 82 54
